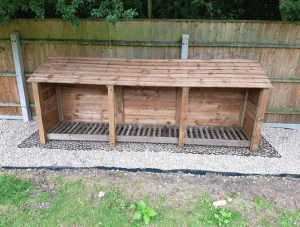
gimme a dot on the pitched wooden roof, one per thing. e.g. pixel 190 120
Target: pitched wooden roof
pixel 241 73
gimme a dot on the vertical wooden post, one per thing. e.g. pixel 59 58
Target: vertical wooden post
pixel 184 55
pixel 185 94
pixel 111 109
pixel 21 81
pixel 262 103
pixel 119 90
pixel 243 108
pixel 59 103
pixel 39 107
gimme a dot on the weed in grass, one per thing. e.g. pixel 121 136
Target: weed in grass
pixel 229 194
pixel 14 191
pixel 144 212
pixel 238 195
pixel 258 201
pixel 122 174
pixel 123 181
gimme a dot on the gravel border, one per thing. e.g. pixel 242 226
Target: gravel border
pixel 14 132
pixel 265 149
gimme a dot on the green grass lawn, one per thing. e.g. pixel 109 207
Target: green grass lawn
pixel 76 204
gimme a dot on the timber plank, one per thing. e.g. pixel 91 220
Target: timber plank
pixel 185 93
pixel 111 108
pixel 37 92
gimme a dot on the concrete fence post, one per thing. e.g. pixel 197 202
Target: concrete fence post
pixel 185 46
pixel 21 81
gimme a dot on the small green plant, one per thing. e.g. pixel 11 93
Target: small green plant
pixel 258 201
pixel 243 177
pixel 143 211
pixel 238 195
pixel 229 194
pixel 248 182
pixel 248 209
pixel 122 203
pixel 0 167
pixel 257 181
pixel 123 181
pixel 220 217
pixel 122 174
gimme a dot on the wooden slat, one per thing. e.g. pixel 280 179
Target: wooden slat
pixel 240 134
pixel 223 133
pixel 206 132
pixel 59 103
pixel 218 134
pixel 111 109
pixel 119 129
pixel 133 131
pixel 78 128
pixel 73 128
pixel 88 129
pixel 149 130
pixel 201 132
pixel 262 103
pixel 191 132
pixel 124 130
pixel 212 132
pixel 170 131
pixel 154 131
pixel 243 109
pixel 228 133
pixel 55 127
pixel 128 130
pixel 185 93
pixel 93 129
pixel 159 131
pixel 119 104
pixel 98 129
pixel 144 131
pixel 83 128
pixel 234 133
pixel 139 131
pixel 196 131
pixel 69 126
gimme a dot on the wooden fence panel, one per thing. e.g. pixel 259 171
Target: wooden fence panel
pixel 274 44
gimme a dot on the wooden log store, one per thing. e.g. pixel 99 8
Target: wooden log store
pixel 205 102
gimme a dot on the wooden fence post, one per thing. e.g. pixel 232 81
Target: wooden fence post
pixel 21 81
pixel 184 102
pixel 184 54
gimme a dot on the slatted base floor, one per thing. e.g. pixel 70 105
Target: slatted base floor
pixel 201 135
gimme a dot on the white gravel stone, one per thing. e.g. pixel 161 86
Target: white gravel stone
pixel 13 132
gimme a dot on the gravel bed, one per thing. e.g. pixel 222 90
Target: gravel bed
pixel 265 149
pixel 283 156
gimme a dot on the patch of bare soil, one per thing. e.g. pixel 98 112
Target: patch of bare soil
pixel 282 192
